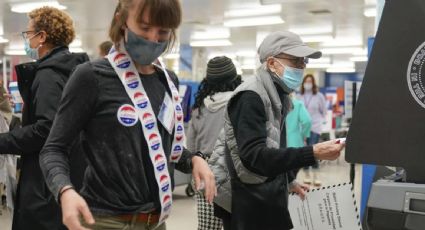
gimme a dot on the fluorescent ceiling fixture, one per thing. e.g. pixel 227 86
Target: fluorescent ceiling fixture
pixel 370 12
pixel 312 30
pixel 3 40
pixel 246 53
pixel 211 34
pixel 205 43
pixel 172 56
pixel 316 38
pixel 340 70
pixel 339 42
pixel 318 65
pixel 26 7
pixel 342 50
pixel 15 52
pixel 322 60
pixel 345 64
pixel 359 59
pixel 254 11
pixel 253 21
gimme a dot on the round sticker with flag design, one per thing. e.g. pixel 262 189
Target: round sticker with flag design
pixel 141 100
pixel 127 115
pixel 122 61
pixel 131 80
pixel 148 121
pixel 154 141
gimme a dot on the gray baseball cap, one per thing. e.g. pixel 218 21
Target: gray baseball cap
pixel 285 42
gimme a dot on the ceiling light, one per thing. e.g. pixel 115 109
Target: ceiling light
pixel 342 50
pixel 370 12
pixel 211 34
pixel 312 30
pixel 15 52
pixel 253 21
pixel 248 67
pixel 3 40
pixel 204 43
pixel 316 38
pixel 318 65
pixel 322 60
pixel 340 70
pixel 339 42
pixel 254 11
pixel 359 59
pixel 26 7
pixel 246 53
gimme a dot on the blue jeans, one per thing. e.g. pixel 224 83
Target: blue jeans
pixel 313 139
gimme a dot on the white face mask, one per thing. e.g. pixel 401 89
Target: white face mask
pixel 308 86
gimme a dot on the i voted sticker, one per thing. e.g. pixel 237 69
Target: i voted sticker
pixel 122 61
pixel 154 142
pixel 148 121
pixel 141 100
pixel 131 80
pixel 127 115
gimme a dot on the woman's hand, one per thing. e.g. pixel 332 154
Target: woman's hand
pixel 73 205
pixel 204 178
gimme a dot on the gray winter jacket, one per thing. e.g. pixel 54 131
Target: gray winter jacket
pixel 206 123
pixel 265 88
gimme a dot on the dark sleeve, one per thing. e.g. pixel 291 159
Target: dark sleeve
pixel 185 163
pixel 75 110
pixel 46 93
pixel 248 118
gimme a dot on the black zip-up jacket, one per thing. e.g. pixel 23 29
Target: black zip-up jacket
pixel 119 178
pixel 40 84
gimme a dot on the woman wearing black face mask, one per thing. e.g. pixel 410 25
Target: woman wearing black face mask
pixel 127 107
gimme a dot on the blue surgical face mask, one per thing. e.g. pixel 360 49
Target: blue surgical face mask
pixel 291 77
pixel 31 52
pixel 141 50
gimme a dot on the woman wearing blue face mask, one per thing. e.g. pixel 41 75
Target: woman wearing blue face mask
pixel 128 109
pixel 47 36
pixel 253 143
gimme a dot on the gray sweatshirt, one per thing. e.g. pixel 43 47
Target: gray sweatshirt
pixel 205 125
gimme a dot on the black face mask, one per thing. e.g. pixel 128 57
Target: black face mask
pixel 141 50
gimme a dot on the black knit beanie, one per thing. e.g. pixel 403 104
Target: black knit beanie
pixel 221 70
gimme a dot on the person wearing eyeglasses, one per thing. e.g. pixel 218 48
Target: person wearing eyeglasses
pixel 253 144
pixel 48 34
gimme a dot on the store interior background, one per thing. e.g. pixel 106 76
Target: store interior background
pixel 342 29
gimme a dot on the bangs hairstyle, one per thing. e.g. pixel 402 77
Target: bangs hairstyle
pixel 162 13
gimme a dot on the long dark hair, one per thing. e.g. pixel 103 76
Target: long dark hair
pixel 315 88
pixel 208 89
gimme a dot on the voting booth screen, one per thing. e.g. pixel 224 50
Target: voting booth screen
pixel 388 126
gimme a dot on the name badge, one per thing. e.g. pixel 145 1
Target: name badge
pixel 166 114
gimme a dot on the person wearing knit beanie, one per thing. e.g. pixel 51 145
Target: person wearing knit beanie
pixel 207 120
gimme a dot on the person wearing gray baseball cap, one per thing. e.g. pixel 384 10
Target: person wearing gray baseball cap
pixel 259 164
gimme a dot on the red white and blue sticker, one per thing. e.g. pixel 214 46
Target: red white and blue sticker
pixel 131 79
pixel 127 115
pixel 122 61
pixel 141 111
pixel 141 100
pixel 154 141
pixel 148 121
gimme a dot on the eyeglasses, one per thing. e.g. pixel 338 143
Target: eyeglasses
pixel 25 33
pixel 295 60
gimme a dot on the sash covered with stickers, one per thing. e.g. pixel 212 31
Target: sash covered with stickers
pixel 141 111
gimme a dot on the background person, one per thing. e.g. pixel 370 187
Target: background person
pixel 207 122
